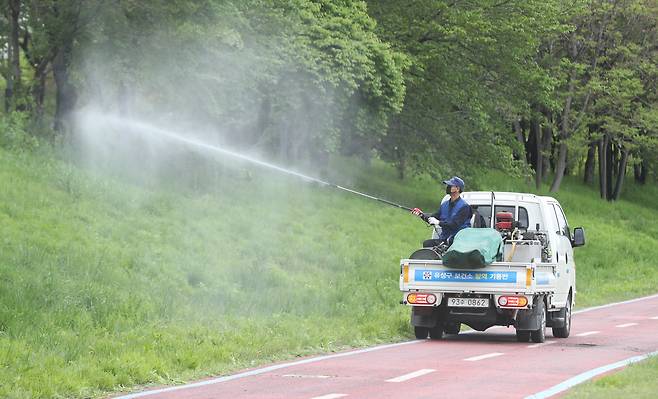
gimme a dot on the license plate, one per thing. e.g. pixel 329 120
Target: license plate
pixel 469 302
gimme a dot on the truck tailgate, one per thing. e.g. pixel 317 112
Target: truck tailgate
pixel 432 275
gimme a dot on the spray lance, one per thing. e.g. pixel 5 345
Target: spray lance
pixel 415 211
pixel 367 196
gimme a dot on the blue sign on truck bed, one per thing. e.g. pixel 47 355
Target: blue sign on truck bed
pixel 464 276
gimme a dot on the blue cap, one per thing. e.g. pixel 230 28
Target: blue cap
pixel 455 181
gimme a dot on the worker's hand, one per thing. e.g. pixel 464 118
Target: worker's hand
pixel 417 211
pixel 432 220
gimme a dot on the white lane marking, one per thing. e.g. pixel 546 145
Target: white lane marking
pixel 411 375
pixel 609 305
pixel 264 370
pixel 587 333
pixel 305 376
pixel 542 344
pixel 330 396
pixel 573 381
pixel 626 325
pixel 481 357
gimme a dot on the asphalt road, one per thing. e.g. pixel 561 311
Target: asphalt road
pixel 468 365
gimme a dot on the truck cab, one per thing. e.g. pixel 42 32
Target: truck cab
pixel 531 285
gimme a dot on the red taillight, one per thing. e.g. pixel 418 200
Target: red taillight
pixel 513 301
pixel 421 299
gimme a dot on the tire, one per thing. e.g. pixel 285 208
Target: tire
pixel 539 335
pixel 421 332
pixel 452 328
pixel 436 332
pixel 563 332
pixel 522 336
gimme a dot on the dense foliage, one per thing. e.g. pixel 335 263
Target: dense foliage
pixel 543 87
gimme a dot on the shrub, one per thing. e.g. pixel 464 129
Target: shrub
pixel 13 132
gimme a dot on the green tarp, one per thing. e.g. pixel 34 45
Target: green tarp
pixel 474 248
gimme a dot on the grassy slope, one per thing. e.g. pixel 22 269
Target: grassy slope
pixel 107 285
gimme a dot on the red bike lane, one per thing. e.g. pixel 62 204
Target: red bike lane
pixel 467 365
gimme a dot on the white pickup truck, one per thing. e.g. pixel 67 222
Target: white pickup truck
pixel 530 286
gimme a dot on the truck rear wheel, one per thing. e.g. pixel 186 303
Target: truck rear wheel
pixel 437 331
pixel 452 328
pixel 563 332
pixel 421 332
pixel 522 335
pixel 539 335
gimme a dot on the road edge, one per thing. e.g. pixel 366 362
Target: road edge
pixel 588 375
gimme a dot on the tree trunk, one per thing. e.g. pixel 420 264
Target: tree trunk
pixel 546 145
pixel 535 129
pixel 589 164
pixel 531 144
pixel 400 165
pixel 614 163
pixel 560 167
pixel 12 88
pixel 520 137
pixel 621 173
pixel 39 91
pixel 609 168
pixel 640 172
pixel 546 140
pixel 565 131
pixel 645 172
pixel 603 167
pixel 399 153
pixel 263 121
pixel 66 96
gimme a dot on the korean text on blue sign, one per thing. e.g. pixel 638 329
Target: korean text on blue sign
pixel 461 276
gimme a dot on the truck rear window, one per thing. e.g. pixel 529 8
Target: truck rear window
pixel 485 212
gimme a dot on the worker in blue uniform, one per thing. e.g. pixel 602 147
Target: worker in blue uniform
pixel 453 215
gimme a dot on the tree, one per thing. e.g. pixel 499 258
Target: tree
pixel 626 94
pixel 601 90
pixel 294 80
pixel 11 69
pixel 473 73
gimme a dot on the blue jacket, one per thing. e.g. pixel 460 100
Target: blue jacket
pixel 453 216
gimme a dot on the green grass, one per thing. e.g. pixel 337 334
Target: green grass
pixel 636 381
pixel 106 285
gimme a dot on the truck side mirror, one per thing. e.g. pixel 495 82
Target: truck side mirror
pixel 578 237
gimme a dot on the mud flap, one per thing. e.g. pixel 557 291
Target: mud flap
pixel 557 319
pixel 529 319
pixel 425 316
